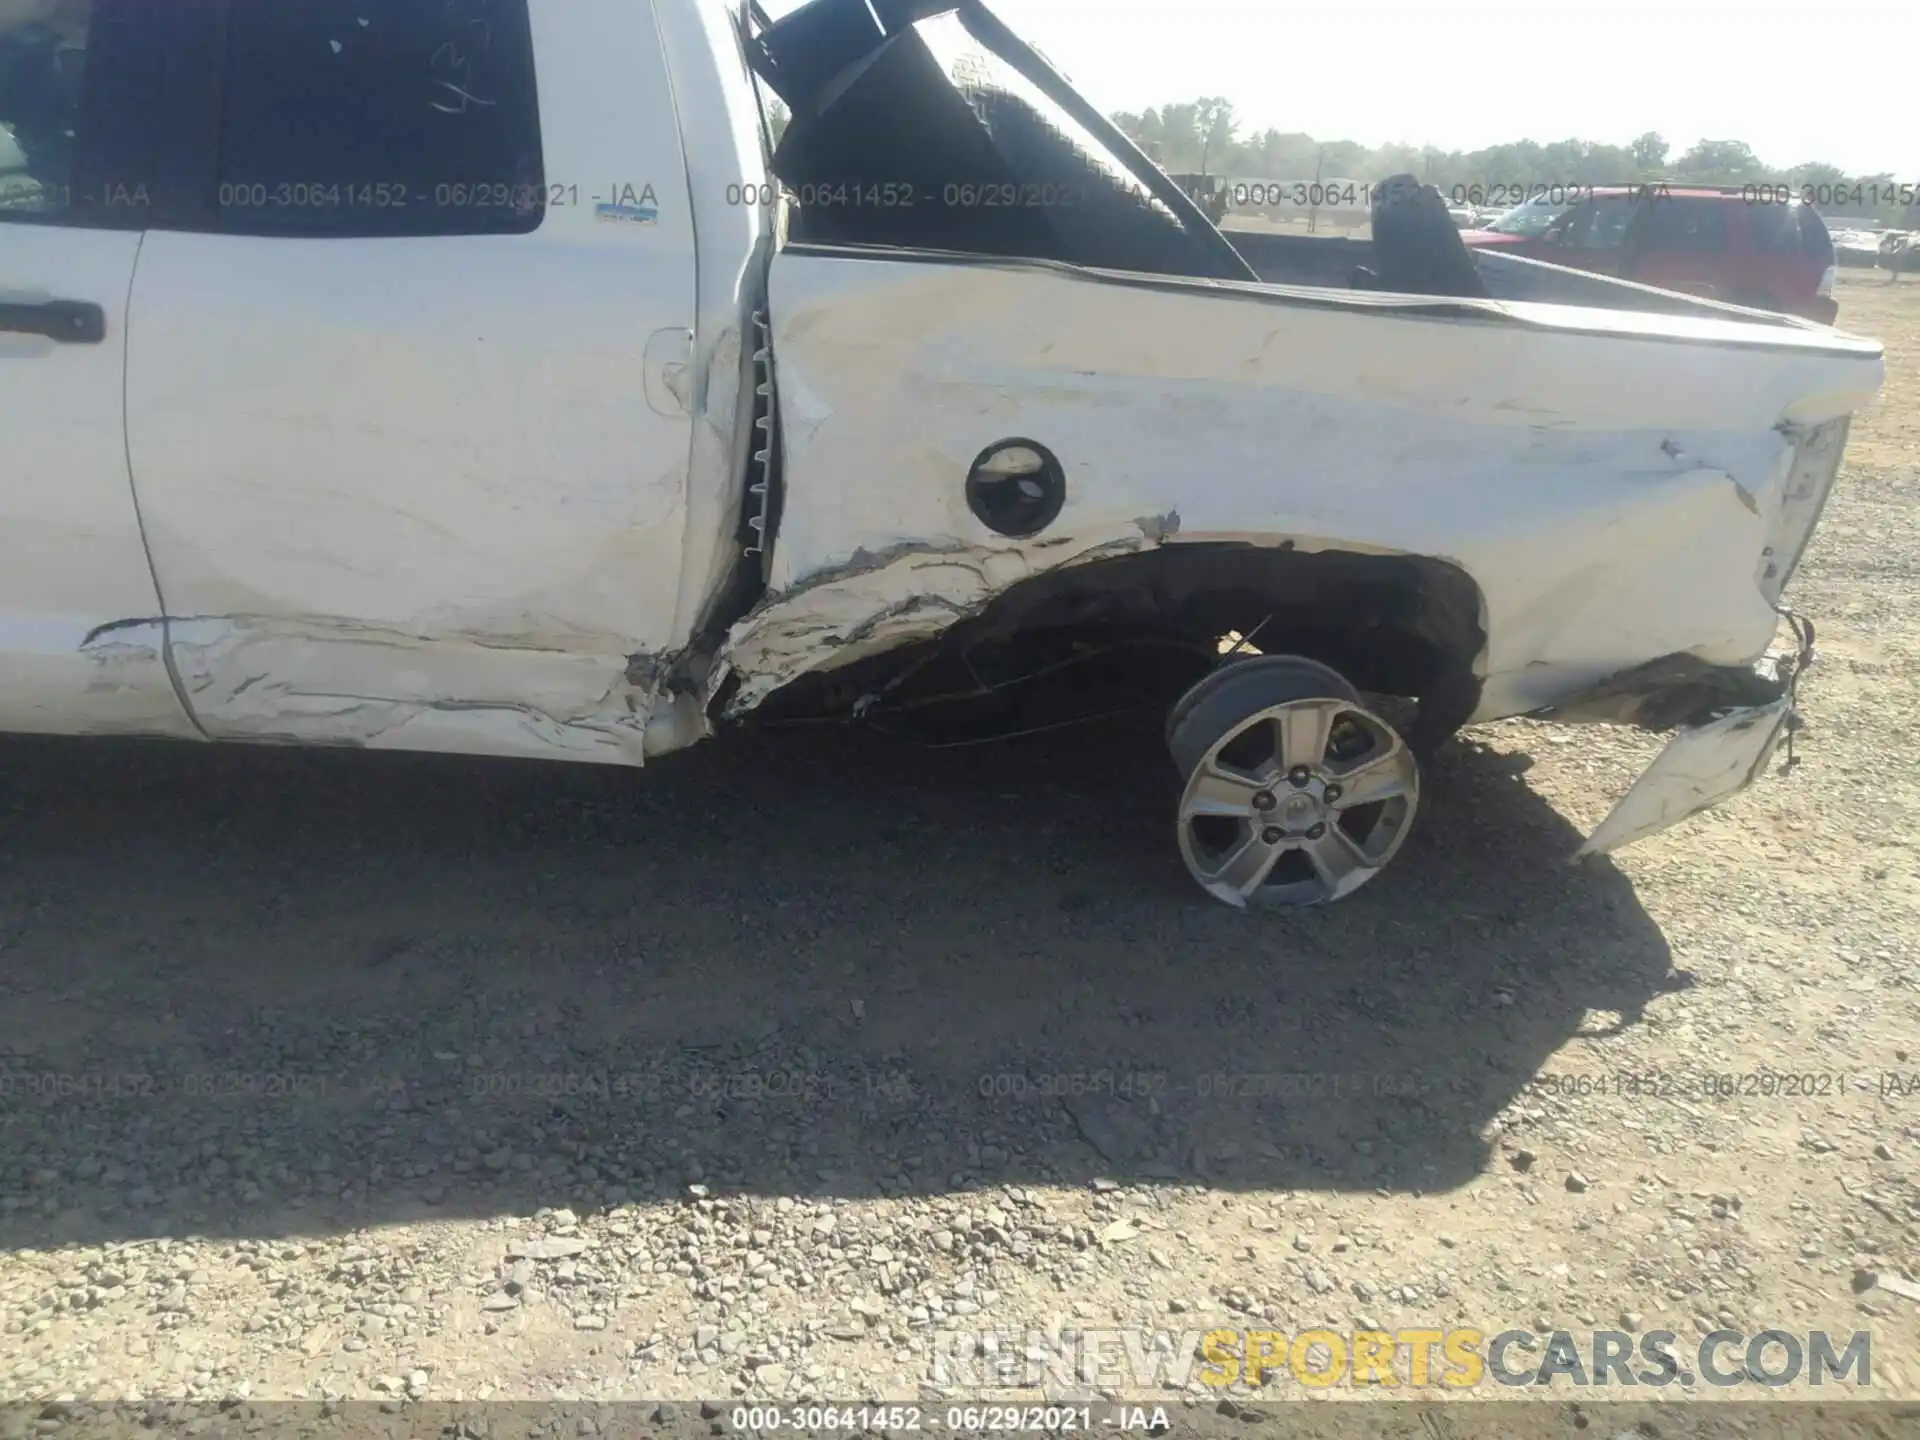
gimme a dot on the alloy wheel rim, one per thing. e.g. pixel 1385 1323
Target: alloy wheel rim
pixel 1298 804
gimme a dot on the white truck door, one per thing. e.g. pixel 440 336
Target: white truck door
pixel 80 638
pixel 405 402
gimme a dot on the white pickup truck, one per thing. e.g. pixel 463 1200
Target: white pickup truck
pixel 476 376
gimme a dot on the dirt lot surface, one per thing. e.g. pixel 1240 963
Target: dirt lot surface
pixel 380 1077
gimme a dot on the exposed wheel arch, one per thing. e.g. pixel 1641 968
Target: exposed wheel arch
pixel 1393 624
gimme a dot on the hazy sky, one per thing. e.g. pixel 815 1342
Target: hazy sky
pixel 1796 82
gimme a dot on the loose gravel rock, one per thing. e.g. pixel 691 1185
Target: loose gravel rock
pixel 425 1081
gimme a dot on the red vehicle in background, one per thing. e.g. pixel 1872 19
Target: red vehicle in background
pixel 1738 245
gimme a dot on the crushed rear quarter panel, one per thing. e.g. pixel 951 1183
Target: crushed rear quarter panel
pixel 1610 480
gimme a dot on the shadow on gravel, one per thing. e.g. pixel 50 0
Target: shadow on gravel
pixel 278 993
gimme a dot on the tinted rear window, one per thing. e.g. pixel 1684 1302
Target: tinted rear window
pixel 1814 238
pixel 1788 229
pixel 1685 223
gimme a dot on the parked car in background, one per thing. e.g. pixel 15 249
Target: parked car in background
pixel 1722 243
pixel 1899 254
pixel 1857 247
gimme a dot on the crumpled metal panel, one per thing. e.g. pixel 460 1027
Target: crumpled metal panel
pixel 1698 769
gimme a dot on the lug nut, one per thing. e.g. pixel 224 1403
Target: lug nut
pixel 1317 831
pixel 1264 800
pixel 1298 776
pixel 1333 793
pixel 1272 835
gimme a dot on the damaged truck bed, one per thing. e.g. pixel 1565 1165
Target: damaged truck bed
pixel 1572 492
pixel 951 390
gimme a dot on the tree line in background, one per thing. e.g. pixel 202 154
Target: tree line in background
pixel 1204 136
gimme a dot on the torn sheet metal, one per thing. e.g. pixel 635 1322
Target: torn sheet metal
pixel 261 679
pixel 1672 690
pixel 1606 479
pixel 1796 509
pixel 111 680
pixel 877 601
pixel 1698 769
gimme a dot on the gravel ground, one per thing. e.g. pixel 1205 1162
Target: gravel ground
pixel 382 1077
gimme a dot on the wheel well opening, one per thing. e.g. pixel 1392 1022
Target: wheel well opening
pixel 1397 625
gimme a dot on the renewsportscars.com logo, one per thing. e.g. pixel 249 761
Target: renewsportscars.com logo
pixel 1457 1358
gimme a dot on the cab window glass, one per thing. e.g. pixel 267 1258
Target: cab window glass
pixel 43 71
pixel 402 117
